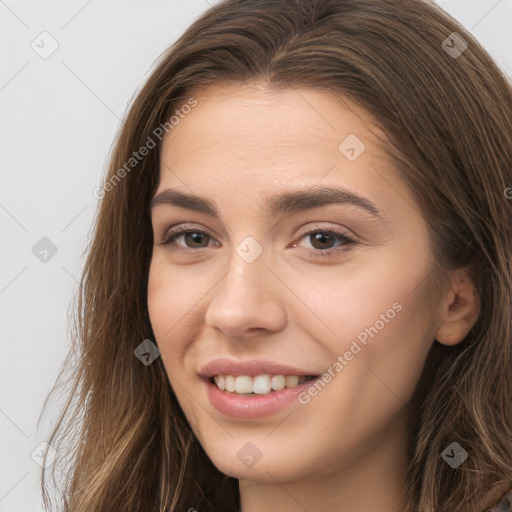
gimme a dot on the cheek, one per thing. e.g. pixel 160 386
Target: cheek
pixel 385 290
pixel 176 299
pixel 167 308
pixel 377 315
pixel 172 296
pixel 171 325
pixel 159 301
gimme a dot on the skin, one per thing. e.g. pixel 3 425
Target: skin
pixel 346 450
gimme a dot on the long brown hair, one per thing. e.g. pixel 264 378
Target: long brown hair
pixel 447 112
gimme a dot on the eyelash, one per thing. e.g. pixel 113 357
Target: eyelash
pixel 173 234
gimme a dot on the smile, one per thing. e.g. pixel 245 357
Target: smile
pixel 258 385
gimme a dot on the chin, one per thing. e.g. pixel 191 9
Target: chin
pixel 233 458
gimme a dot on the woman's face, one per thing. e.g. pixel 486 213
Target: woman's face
pixel 305 257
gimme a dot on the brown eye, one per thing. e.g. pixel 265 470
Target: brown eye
pixel 323 241
pixel 193 238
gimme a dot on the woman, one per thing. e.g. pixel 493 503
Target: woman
pixel 226 358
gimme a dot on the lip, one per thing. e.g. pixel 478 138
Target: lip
pixel 225 366
pixel 254 406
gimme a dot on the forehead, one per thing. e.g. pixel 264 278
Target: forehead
pixel 241 137
pixel 241 121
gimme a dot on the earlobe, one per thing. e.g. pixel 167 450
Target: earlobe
pixel 460 308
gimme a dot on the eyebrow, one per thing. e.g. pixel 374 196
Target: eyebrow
pixel 278 204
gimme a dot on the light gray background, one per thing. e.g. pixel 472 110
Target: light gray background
pixel 58 119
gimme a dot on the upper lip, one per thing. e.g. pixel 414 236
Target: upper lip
pixel 226 366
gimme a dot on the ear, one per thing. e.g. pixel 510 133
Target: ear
pixel 459 308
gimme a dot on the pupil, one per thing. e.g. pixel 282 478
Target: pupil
pixel 320 237
pixel 196 237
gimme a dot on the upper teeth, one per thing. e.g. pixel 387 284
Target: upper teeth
pixel 260 384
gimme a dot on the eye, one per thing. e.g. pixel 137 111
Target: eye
pixel 321 241
pixel 195 237
pixel 326 237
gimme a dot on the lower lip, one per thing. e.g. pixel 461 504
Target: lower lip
pixel 253 406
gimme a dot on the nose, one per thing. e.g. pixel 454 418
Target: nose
pixel 247 300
